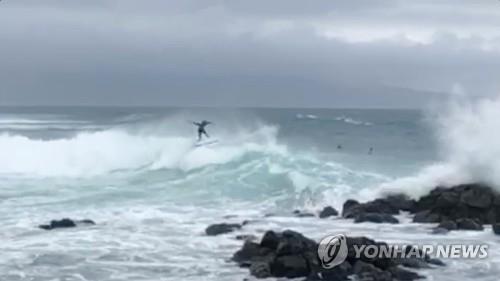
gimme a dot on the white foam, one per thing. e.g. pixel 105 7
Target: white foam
pixel 300 181
pixel 306 116
pixel 13 123
pixel 95 153
pixel 467 134
pixel 40 121
pixel 352 121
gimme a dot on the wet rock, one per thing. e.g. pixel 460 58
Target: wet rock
pixel 426 217
pixel 328 212
pixel 477 196
pixel 286 254
pixel 460 224
pixel 469 224
pixel 417 259
pixel 290 266
pixel 447 199
pixel 381 206
pixel 375 218
pixel 401 202
pixel 340 272
pixel 221 228
pixel 260 270
pixel 466 201
pixel 366 271
pixel 292 243
pixel 290 254
pixel 251 252
pixel 270 240
pixel 348 207
pixel 496 228
pixel 448 225
pixel 390 205
pixel 416 263
pixel 86 221
pixel 403 274
pixel 65 223
pixel 245 222
pixel 301 214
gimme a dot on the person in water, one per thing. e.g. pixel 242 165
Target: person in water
pixel 201 128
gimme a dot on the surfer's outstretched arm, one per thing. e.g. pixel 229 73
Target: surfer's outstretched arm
pixel 196 123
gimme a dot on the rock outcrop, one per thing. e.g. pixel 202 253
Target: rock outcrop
pixel 221 228
pixel 290 254
pixel 328 212
pixel 378 210
pixel 65 223
pixel 461 207
pixel 462 202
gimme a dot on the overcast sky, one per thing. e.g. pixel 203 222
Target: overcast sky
pixel 335 53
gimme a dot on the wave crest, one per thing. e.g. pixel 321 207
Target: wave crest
pixel 97 153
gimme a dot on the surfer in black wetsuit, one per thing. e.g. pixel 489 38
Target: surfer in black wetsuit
pixel 201 128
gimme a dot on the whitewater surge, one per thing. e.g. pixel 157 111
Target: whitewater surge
pixel 108 151
pixel 152 194
pixel 467 134
pixel 252 158
pixel 344 119
pixel 352 121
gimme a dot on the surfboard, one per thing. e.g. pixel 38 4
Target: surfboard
pixel 205 143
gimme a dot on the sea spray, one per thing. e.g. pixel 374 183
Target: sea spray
pixel 103 152
pixel 467 134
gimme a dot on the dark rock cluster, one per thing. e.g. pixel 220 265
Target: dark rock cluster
pixel 290 254
pixel 221 228
pixel 378 210
pixel 470 202
pixel 302 214
pixel 327 212
pixel 65 223
pixel 461 207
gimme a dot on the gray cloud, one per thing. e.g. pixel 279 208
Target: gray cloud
pixel 246 53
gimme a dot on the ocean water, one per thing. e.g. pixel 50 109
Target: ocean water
pixel 137 173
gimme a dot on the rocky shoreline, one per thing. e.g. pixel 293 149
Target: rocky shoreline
pixel 290 254
pixel 461 207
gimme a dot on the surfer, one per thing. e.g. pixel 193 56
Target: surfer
pixel 201 128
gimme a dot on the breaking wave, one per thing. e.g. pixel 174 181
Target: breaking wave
pixel 467 133
pixel 107 151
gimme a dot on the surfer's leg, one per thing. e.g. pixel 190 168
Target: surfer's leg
pixel 200 134
pixel 204 132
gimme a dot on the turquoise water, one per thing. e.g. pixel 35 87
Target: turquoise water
pixel 137 173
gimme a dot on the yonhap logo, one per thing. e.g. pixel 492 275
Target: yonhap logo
pixel 332 250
